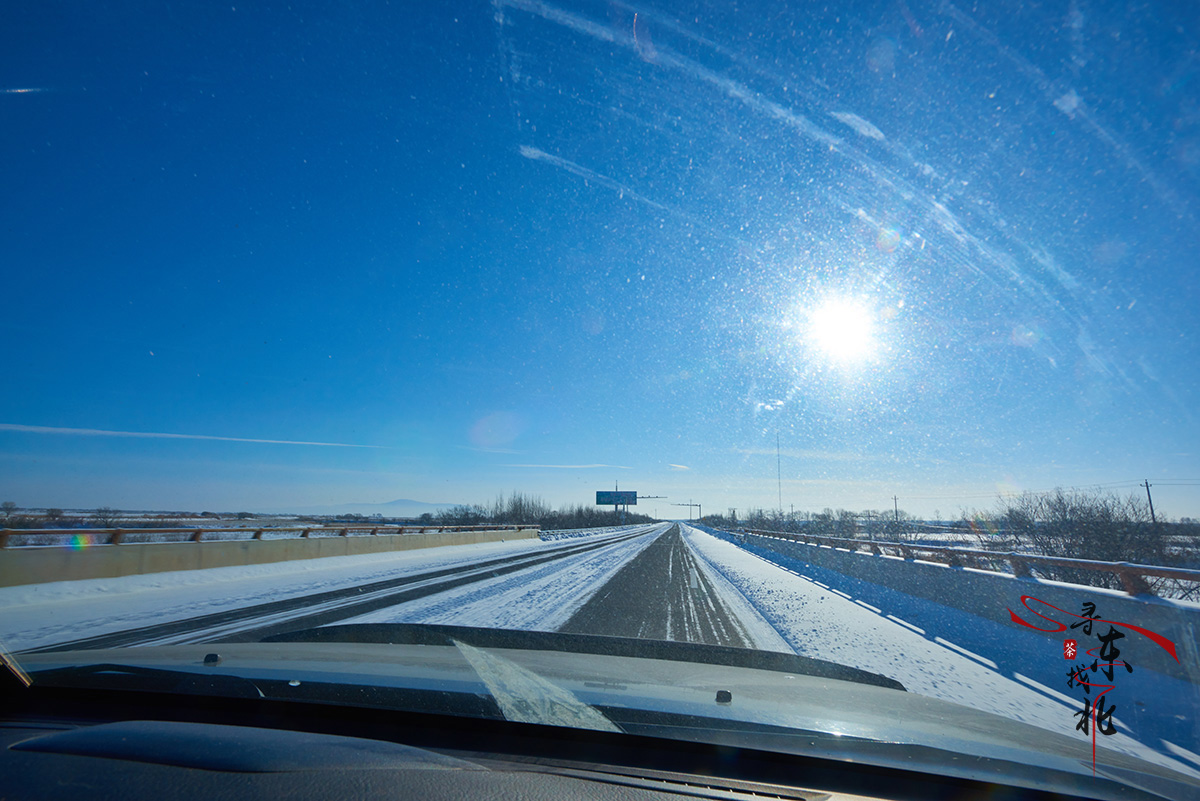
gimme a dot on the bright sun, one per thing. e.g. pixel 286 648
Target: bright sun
pixel 843 329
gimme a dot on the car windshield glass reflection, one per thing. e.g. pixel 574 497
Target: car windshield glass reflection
pixel 857 339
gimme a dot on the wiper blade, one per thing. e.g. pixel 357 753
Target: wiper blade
pixel 110 676
pixel 435 634
pixel 117 678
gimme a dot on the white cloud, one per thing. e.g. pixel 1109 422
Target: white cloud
pixel 96 432
pixel 569 466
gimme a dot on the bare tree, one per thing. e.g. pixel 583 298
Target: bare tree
pixel 1080 525
pixel 105 517
pixel 8 509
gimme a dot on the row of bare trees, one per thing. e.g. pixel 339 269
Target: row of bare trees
pixel 519 507
pixel 870 523
pixel 13 516
pixel 1075 524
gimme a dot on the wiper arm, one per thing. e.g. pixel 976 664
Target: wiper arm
pixel 434 634
pixel 13 674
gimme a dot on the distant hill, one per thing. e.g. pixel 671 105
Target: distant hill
pixel 401 507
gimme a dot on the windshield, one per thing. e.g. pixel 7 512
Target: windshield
pixel 864 333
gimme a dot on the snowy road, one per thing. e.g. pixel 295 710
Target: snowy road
pixel 663 594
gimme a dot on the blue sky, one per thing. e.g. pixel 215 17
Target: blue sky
pixel 937 252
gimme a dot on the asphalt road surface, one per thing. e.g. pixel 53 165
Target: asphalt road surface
pixel 660 595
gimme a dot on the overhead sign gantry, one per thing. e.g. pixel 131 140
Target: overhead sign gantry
pixel 620 499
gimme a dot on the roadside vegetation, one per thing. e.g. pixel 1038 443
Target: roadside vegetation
pixel 1097 526
pixel 513 509
pixel 520 507
pixel 1065 523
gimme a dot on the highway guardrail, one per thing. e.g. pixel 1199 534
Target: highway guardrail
pixel 1132 576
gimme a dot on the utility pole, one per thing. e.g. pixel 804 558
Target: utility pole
pixel 1148 485
pixel 778 472
pixel 896 507
pixel 691 506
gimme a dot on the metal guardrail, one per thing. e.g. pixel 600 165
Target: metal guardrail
pixel 11 537
pixel 1132 576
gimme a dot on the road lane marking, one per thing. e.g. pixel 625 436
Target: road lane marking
pixel 906 624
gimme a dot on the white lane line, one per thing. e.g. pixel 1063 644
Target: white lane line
pixel 866 605
pixel 906 624
pixel 839 592
pixel 965 652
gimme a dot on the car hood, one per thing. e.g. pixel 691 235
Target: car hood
pixel 463 671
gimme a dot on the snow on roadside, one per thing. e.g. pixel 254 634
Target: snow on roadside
pixel 42 614
pixel 576 533
pixel 826 624
pixel 540 598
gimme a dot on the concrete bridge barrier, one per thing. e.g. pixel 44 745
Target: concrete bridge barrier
pixel 40 564
pixel 994 596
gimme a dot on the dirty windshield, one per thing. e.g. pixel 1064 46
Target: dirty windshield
pixel 864 332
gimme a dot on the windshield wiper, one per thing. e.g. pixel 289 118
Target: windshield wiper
pixel 116 678
pixel 435 634
pixel 110 676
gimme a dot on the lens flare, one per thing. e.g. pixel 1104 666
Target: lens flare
pixel 887 240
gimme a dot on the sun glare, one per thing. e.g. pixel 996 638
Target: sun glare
pixel 842 329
